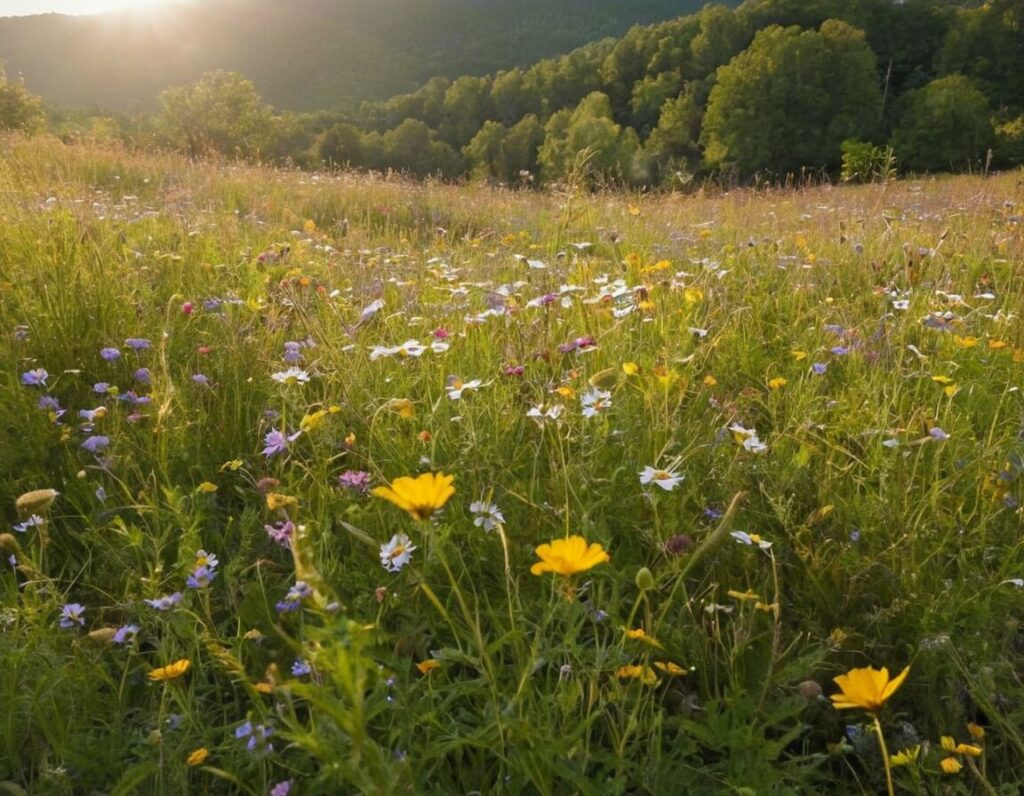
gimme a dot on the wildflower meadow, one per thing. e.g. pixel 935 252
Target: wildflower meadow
pixel 341 483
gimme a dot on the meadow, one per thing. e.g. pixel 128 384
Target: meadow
pixel 293 467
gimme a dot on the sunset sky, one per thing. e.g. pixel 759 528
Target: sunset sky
pixel 22 7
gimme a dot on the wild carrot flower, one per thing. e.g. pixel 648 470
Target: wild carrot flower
pixel 420 496
pixel 171 671
pixel 568 556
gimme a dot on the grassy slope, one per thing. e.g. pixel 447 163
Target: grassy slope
pixel 881 555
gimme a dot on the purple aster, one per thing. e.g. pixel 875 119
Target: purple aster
pixel 96 443
pixel 937 433
pixel 257 736
pixel 101 387
pixel 819 368
pixel 35 378
pixel 201 577
pixel 292 352
pixel 165 603
pixel 71 615
pixel 142 376
pixel 134 399
pixel 201 379
pixel 49 404
pixel 276 442
pixel 840 350
pixel 356 480
pixel 125 634
pixel 137 343
pixel 110 354
pixel 301 668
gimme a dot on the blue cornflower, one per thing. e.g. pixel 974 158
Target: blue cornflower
pixel 110 354
pixel 71 615
pixel 125 634
pixel 819 368
pixel 137 343
pixel 35 378
pixel 301 668
pixel 96 443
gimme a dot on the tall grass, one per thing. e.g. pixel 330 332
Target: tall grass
pixel 870 336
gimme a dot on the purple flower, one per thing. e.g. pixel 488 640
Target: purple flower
pixel 137 343
pixel 840 350
pixel 101 494
pixel 201 379
pixel 49 404
pixel 165 603
pixel 134 399
pixel 142 376
pixel 356 480
pixel 282 788
pixel 101 387
pixel 212 304
pixel 937 433
pixel 125 634
pixel 276 442
pixel 71 615
pixel 819 368
pixel 96 443
pixel 281 532
pixel 258 737
pixel 293 599
pixel 110 354
pixel 204 571
pixel 35 378
pixel 292 352
pixel 301 668
pixel 31 522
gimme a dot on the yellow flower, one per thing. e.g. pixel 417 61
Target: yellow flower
pixel 799 355
pixel 951 765
pixel 277 501
pixel 402 407
pixel 630 368
pixel 866 688
pixel 907 757
pixel 976 730
pixel 693 295
pixel 710 381
pixel 198 756
pixel 568 556
pixel 420 496
pixel 965 342
pixel 948 743
pixel 996 345
pixel 777 382
pixel 427 666
pixel 968 749
pixel 312 420
pixel 645 674
pixel 638 634
pixel 669 668
pixel 206 486
pixel 171 671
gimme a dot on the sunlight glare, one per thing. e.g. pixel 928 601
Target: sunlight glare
pixel 76 7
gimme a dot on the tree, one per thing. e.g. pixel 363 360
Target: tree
pixel 340 145
pixel 467 105
pixel 945 125
pixel 790 99
pixel 590 128
pixel 19 110
pixel 222 113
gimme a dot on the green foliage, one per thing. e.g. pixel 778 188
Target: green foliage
pixel 1010 141
pixel 220 114
pixel 19 110
pixel 866 162
pixel 790 99
pixel 945 125
pixel 589 128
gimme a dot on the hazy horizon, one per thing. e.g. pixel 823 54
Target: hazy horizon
pixel 24 8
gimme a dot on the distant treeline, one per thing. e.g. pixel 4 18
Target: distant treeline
pixel 771 88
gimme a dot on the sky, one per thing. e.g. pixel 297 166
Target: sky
pixel 15 8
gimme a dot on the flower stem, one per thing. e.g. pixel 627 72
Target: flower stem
pixel 985 784
pixel 885 755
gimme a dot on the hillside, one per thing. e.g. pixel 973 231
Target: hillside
pixel 304 54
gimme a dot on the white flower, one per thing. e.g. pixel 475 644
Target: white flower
pixel 666 479
pixel 540 414
pixel 410 348
pixel 488 515
pixel 291 376
pixel 594 401
pixel 397 553
pixel 456 386
pixel 750 539
pixel 747 437
pixel 901 304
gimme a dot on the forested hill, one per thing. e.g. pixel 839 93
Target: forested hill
pixel 303 54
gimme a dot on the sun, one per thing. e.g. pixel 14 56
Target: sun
pixel 77 7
